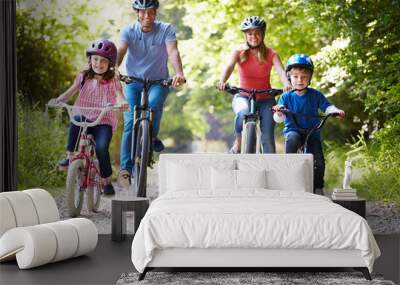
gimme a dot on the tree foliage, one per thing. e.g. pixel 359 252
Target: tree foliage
pixel 368 65
pixel 373 52
pixel 50 48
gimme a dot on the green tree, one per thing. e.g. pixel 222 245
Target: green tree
pixel 49 51
pixel 51 40
pixel 373 52
pixel 368 76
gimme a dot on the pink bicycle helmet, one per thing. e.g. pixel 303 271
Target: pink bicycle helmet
pixel 103 48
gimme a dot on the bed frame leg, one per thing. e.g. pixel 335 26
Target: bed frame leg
pixel 364 271
pixel 143 274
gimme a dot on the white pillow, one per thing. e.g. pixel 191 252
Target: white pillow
pixel 189 175
pixel 294 179
pixel 223 179
pixel 281 174
pixel 251 178
pixel 182 177
pixel 230 180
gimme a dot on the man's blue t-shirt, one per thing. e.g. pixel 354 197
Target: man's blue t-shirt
pixel 147 52
pixel 308 104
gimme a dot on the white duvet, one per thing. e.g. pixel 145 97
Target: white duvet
pixel 250 219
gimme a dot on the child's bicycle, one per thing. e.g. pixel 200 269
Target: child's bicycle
pixel 83 171
pixel 251 134
pixel 142 137
pixel 306 132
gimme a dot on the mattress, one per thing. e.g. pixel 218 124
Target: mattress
pixel 250 219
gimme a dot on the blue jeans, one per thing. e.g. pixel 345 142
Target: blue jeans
pixel 102 135
pixel 293 140
pixel 157 96
pixel 240 105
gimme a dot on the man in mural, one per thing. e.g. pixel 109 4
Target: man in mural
pixel 148 45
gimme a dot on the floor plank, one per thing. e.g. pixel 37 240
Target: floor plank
pixel 102 266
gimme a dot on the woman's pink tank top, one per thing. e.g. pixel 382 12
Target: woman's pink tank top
pixel 256 74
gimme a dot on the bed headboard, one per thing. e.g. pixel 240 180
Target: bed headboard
pixel 283 169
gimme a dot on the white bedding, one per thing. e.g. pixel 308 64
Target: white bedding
pixel 252 218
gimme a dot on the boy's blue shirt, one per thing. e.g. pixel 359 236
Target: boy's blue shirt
pixel 308 104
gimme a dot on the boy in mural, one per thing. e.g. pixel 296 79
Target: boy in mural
pixel 306 101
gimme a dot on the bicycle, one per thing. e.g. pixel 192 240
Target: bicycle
pixel 307 132
pixel 251 134
pixel 142 137
pixel 83 171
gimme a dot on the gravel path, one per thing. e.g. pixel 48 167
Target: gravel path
pixel 383 218
pixel 102 218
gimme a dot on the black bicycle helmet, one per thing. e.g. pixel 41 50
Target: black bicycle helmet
pixel 253 22
pixel 145 4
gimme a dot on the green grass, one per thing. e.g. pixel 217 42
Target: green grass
pixel 41 143
pixel 375 165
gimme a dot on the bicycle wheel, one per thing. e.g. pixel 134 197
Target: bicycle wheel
pixel 141 158
pixel 74 191
pixel 251 138
pixel 94 190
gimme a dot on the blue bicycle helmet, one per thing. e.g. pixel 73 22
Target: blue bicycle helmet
pixel 300 60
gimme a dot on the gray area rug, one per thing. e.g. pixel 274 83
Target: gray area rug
pixel 244 278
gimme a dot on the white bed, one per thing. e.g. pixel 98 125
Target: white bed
pixel 219 210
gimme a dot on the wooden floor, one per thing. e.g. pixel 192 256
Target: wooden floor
pixel 110 259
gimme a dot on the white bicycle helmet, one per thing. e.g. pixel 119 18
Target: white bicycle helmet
pixel 253 22
pixel 145 4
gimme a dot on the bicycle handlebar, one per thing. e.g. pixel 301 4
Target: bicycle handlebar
pixel 131 79
pixel 69 109
pixel 233 90
pixel 316 127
